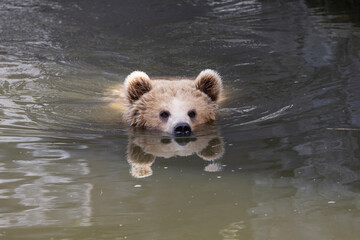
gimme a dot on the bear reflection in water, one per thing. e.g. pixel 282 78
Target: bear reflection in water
pixel 143 150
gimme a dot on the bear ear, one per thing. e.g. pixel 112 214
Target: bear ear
pixel 136 84
pixel 209 82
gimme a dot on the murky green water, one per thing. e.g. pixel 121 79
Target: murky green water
pixel 272 167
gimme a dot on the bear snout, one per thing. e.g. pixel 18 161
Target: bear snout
pixel 182 129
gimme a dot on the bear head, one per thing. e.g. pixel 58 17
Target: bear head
pixel 175 106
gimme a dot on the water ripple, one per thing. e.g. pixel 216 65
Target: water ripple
pixel 273 115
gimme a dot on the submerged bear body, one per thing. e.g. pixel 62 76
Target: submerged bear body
pixel 175 106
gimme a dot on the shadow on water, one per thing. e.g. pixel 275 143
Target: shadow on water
pixel 337 11
pixel 281 162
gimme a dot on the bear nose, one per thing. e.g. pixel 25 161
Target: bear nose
pixel 182 129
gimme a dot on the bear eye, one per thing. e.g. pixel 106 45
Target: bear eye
pixel 164 114
pixel 192 113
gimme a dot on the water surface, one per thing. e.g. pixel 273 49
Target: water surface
pixel 281 162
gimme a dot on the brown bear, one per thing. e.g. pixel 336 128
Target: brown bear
pixel 175 106
pixel 144 149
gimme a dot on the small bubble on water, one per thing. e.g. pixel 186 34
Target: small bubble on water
pixel 218 177
pixel 165 167
pixel 331 202
pixel 137 186
pixel 120 225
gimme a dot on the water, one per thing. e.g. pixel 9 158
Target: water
pixel 281 162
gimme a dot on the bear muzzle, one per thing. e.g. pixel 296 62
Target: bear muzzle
pixel 182 129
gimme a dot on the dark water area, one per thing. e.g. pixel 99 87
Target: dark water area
pixel 281 161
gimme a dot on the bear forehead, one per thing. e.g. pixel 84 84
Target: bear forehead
pixel 176 95
pixel 176 88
